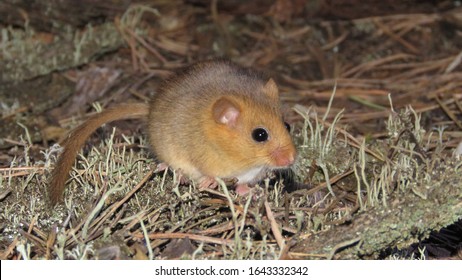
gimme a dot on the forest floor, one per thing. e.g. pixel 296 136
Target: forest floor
pixel 373 95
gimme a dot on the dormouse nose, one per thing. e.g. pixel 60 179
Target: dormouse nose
pixel 284 156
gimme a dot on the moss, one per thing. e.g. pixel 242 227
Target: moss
pixel 25 58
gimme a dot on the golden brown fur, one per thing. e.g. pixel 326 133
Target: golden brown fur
pixel 79 135
pixel 201 122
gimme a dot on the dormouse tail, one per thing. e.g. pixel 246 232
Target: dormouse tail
pixel 79 135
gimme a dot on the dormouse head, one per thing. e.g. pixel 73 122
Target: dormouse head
pixel 250 130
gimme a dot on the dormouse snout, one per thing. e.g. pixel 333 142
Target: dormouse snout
pixel 284 156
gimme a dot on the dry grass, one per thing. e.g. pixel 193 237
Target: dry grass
pixel 118 206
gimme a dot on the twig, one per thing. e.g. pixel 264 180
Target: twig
pixel 342 245
pixel 116 206
pixel 152 50
pixel 449 112
pixel 178 235
pixel 274 226
pixel 396 37
pixel 10 249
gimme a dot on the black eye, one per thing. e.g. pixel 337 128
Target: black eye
pixel 260 134
pixel 287 126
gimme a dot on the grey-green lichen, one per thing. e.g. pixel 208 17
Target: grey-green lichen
pixel 399 193
pixel 402 198
pixel 25 57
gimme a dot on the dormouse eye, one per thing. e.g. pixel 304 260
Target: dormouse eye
pixel 287 126
pixel 260 134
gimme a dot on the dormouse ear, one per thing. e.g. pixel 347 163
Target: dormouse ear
pixel 226 112
pixel 271 89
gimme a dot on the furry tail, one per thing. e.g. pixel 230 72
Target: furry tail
pixel 77 138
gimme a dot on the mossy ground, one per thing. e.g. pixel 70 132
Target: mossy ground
pixel 374 176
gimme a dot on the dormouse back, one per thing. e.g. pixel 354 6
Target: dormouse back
pixel 209 80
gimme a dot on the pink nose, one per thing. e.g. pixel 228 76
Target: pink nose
pixel 284 157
